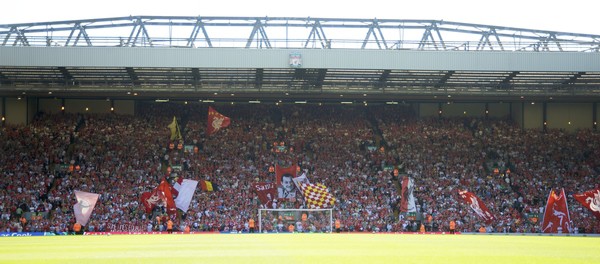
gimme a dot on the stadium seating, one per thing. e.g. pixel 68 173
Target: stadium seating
pixel 120 157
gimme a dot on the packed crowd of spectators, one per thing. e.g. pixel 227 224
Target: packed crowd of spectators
pixel 510 169
pixel 348 149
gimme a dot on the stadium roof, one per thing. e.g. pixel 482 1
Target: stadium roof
pixel 297 82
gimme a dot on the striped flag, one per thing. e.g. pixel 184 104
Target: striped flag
pixel 206 186
pixel 317 196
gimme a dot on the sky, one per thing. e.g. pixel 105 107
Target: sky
pixel 575 16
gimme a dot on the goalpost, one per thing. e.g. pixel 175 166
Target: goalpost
pixel 278 220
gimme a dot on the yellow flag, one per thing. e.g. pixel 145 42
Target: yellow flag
pixel 174 127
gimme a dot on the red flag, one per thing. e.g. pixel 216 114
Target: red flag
pixel 591 200
pixel 216 121
pixel 267 192
pixel 477 205
pixel 85 205
pixel 165 188
pixel 161 195
pixel 149 200
pixel 285 184
pixel 556 214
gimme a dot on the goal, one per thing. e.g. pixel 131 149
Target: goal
pixel 304 220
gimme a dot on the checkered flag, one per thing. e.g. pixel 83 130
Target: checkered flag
pixel 317 196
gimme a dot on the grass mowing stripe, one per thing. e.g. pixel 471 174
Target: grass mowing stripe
pixel 299 248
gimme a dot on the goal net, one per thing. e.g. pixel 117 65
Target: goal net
pixel 303 220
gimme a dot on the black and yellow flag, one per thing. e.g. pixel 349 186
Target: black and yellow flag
pixel 174 127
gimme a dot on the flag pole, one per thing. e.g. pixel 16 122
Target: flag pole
pixel 567 207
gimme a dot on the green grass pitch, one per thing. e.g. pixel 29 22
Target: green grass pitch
pixel 300 248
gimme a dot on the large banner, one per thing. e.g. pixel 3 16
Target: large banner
pixel 85 205
pixel 285 182
pixel 407 199
pixel 477 205
pixel 591 200
pixel 556 214
pixel 267 192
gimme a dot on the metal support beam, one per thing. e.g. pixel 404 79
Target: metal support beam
pixel 197 77
pixel 317 33
pixel 544 116
pixel 484 41
pixel 258 78
pixel 444 79
pixel 19 38
pixel 68 77
pixel 197 28
pixel 427 35
pixel 383 79
pixel 374 29
pixel 573 79
pixel 299 74
pixel 321 73
pixel 258 32
pixel 3 79
pixel 595 116
pixel 493 32
pixel 135 80
pixel 3 117
pixel 379 32
pixel 505 84
pixel 138 29
pixel 425 38
pixel 82 32
pixel 437 30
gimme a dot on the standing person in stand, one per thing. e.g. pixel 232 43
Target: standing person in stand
pixel 77 228
pixel 482 229
pixel 251 225
pixel 170 226
pixel 158 224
